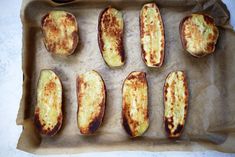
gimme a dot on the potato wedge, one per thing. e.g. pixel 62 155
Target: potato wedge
pixel 152 35
pixel 199 34
pixel 48 111
pixel 91 96
pixel 175 103
pixel 135 104
pixel 60 32
pixel 110 37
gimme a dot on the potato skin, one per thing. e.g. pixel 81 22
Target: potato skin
pixel 48 114
pixel 152 35
pixel 110 37
pixel 60 32
pixel 198 34
pixel 175 103
pixel 91 97
pixel 135 104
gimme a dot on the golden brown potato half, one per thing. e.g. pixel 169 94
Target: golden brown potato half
pixel 91 94
pixel 60 32
pixel 48 111
pixel 135 104
pixel 110 37
pixel 152 35
pixel 199 34
pixel 175 103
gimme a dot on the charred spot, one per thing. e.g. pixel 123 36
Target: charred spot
pixel 37 121
pixel 54 130
pixel 44 18
pixel 51 47
pixel 94 125
pixel 41 126
pixel 210 47
pixel 126 125
pixel 166 86
pixel 208 19
pixel 178 129
pixel 69 16
pixel 140 76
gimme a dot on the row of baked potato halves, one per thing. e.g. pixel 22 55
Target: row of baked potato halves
pixel 91 100
pixel 198 33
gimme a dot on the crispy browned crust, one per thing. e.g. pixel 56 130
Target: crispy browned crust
pixel 46 131
pixel 52 47
pixel 169 121
pixel 98 119
pixel 38 123
pixel 141 23
pixel 210 46
pixel 101 42
pixel 130 125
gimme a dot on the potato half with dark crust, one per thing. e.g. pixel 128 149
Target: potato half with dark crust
pixel 48 111
pixel 135 104
pixel 110 37
pixel 91 95
pixel 152 35
pixel 198 34
pixel 175 103
pixel 60 32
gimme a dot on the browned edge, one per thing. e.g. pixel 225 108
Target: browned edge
pixel 37 123
pixel 124 119
pixel 141 34
pixel 181 33
pixel 96 123
pixel 101 43
pixel 75 33
pixel 181 128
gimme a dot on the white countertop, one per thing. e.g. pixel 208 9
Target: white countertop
pixel 11 87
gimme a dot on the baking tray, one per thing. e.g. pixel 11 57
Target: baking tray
pixel 211 120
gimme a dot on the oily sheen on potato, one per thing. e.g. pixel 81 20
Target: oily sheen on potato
pixel 91 97
pixel 135 104
pixel 199 34
pixel 175 103
pixel 60 32
pixel 152 35
pixel 48 111
pixel 110 37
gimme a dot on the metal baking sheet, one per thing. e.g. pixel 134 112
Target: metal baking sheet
pixel 211 120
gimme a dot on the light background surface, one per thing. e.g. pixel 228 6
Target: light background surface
pixel 11 88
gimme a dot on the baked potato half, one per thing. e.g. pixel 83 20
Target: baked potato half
pixel 110 37
pixel 199 34
pixel 135 104
pixel 175 103
pixel 152 35
pixel 48 111
pixel 91 96
pixel 60 32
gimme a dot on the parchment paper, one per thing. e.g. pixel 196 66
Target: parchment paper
pixel 211 120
